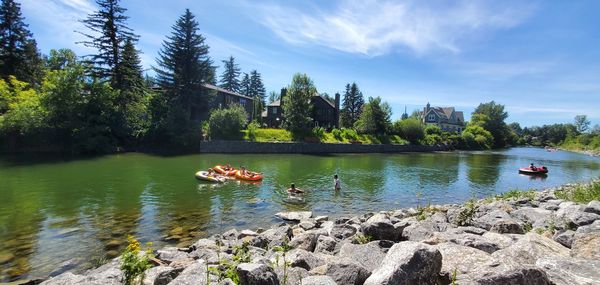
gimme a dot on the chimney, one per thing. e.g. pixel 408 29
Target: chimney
pixel 337 110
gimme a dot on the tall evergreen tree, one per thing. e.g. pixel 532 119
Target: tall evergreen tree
pixel 230 77
pixel 183 67
pixel 245 85
pixel 19 55
pixel 352 106
pixel 108 35
pixel 258 92
pixel 297 108
pixel 273 96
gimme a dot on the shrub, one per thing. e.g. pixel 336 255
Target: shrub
pixel 410 129
pixel 476 137
pixel 318 132
pixel 337 134
pixel 349 134
pixel 133 263
pixel 252 129
pixel 227 123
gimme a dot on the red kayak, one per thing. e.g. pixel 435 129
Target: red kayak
pixel 535 170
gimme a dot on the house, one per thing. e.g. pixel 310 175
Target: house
pixel 325 113
pixel 446 118
pixel 224 98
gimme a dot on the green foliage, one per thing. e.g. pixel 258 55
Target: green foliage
pixel 476 137
pixel 516 194
pixel 133 264
pixel 375 117
pixel 362 239
pixel 268 135
pixel 349 134
pixel 283 249
pixel 352 106
pixel 410 129
pixel 581 193
pixel 25 115
pixel 453 277
pixel 227 123
pixel 337 134
pixel 297 108
pixel 257 91
pixel 466 214
pixel 582 123
pixel 493 122
pixel 252 128
pixel 230 77
pixel 318 132
pixel 527 227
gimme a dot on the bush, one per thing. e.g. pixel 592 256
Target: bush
pixel 476 137
pixel 433 139
pixel 318 132
pixel 410 129
pixel 349 134
pixel 252 128
pixel 337 134
pixel 227 123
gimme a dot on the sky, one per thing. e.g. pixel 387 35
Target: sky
pixel 540 59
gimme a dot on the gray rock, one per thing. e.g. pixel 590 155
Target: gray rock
pixel 294 216
pixel 231 234
pixel 368 255
pixel 277 236
pixel 306 241
pixel 192 275
pixel 594 227
pixel 470 264
pixel 565 238
pixel 379 227
pixel 342 231
pixel 291 276
pixel 160 275
pixel 530 248
pixel 574 215
pixel 64 279
pixel 538 218
pixel 468 230
pixel 569 271
pixel 325 244
pixel 586 246
pixel 344 271
pixel 64 267
pixel 525 276
pixel 304 259
pixel 501 240
pixel 170 254
pixel 487 220
pixel 256 274
pixel 423 230
pixel 438 217
pixel 507 226
pixel 109 273
pixel 318 280
pixel 247 233
pixel 408 263
pixel 593 207
pixel 321 219
pixel 466 239
pixel 307 225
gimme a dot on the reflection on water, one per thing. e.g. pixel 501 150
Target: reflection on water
pixel 81 211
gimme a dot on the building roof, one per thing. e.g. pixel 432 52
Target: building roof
pixel 275 103
pixel 444 113
pixel 219 89
pixel 325 99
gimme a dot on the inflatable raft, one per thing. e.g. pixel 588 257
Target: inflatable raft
pixel 203 175
pixel 221 169
pixel 536 170
pixel 250 176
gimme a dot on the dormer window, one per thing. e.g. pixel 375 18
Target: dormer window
pixel 431 117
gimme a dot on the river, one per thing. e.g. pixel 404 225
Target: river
pixel 79 211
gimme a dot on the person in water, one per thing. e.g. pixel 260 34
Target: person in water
pixel 336 183
pixel 294 190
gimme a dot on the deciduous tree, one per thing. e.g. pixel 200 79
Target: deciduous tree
pixel 297 108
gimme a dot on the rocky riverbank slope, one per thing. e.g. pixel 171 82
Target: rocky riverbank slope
pixel 533 238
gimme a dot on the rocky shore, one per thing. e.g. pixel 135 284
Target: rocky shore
pixel 533 238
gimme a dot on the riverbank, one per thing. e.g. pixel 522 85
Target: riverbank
pixel 518 238
pixel 311 148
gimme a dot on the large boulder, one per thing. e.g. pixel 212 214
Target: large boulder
pixel 342 231
pixel 574 215
pixel 423 230
pixel 325 244
pixel 256 274
pixel 380 227
pixel 302 258
pixel 530 248
pixel 160 275
pixel 466 239
pixel 527 276
pixel 507 226
pixel 538 218
pixel 193 274
pixel 586 246
pixel 408 263
pixel 593 207
pixel 570 271
pixel 345 271
pixel 591 228
pixel 170 254
pixel 489 218
pixel 290 275
pixel 277 236
pixel 306 241
pixel 565 238
pixel 368 255
pixel 318 280
pixel 65 278
pixel 294 216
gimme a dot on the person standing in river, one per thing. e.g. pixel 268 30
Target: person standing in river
pixel 336 183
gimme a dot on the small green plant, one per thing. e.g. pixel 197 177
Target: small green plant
pixel 527 227
pixel 552 226
pixel 465 216
pixel 337 134
pixel 517 194
pixel 252 129
pixel 228 269
pixel 453 277
pixel 283 249
pixel 362 239
pixel 133 263
pixel 318 132
pixel 582 193
pixel 539 231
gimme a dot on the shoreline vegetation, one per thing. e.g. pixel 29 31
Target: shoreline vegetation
pixel 521 237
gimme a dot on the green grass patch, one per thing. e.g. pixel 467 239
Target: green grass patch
pixel 516 194
pixel 267 135
pixel 336 136
pixel 581 193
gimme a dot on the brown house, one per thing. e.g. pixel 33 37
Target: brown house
pixel 325 113
pixel 224 98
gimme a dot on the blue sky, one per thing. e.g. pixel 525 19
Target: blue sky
pixel 541 59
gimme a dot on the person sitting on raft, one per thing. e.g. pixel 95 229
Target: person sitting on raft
pixel 532 167
pixel 294 190
pixel 246 172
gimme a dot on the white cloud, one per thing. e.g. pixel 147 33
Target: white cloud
pixel 378 27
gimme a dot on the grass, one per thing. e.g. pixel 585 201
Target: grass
pixel 581 193
pixel 516 194
pixel 281 135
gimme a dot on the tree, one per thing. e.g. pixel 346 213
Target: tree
pixel 374 118
pixel 582 123
pixel 257 91
pixel 410 129
pixel 297 108
pixel 352 106
pixel 109 33
pixel 227 123
pixel 19 55
pixel 245 88
pixel 230 77
pixel 476 137
pixel 184 66
pixel 273 96
pixel 60 59
pixel 495 123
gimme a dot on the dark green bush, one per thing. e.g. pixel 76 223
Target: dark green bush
pixel 227 123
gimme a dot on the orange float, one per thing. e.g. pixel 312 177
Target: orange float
pixel 250 176
pixel 224 170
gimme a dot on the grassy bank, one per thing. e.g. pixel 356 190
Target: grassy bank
pixel 580 193
pixel 337 136
pixel 587 143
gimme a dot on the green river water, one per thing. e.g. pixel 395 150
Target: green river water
pixel 80 211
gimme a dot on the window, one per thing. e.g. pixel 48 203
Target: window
pixel 274 110
pixel 243 102
pixel 431 117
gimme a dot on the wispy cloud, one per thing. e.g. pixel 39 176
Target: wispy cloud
pixel 378 27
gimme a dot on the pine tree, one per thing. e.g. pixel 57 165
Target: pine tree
pixel 258 92
pixel 230 77
pixel 245 85
pixel 352 106
pixel 297 108
pixel 109 34
pixel 184 66
pixel 19 55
